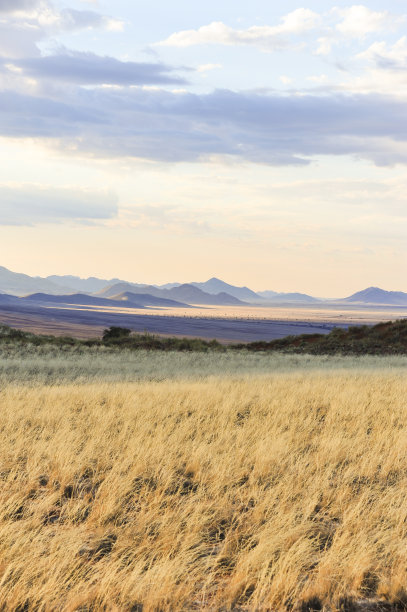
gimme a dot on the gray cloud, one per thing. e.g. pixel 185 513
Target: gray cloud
pixel 32 204
pixel 11 6
pixel 90 69
pixel 20 32
pixel 172 127
pixel 71 19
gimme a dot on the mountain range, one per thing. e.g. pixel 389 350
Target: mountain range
pixel 15 283
pixel 116 292
pixel 183 293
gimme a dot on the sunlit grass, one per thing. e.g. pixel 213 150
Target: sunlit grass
pixel 222 493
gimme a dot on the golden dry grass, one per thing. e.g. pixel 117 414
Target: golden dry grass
pixel 250 494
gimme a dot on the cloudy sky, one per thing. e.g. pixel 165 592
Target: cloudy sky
pixel 159 141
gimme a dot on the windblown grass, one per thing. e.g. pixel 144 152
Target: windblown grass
pixel 269 493
pixel 51 365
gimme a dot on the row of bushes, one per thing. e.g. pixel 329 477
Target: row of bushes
pixel 384 338
pixel 388 338
pixel 114 338
pixel 123 338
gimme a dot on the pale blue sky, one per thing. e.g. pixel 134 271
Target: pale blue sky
pixel 158 142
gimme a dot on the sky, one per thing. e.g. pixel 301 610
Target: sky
pixel 161 142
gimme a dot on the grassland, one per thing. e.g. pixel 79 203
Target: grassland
pixel 280 486
pixel 53 365
pixel 200 477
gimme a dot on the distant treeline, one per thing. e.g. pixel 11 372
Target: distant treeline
pixel 388 338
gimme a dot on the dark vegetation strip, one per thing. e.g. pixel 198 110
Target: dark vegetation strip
pixel 388 338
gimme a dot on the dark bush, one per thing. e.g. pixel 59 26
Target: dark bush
pixel 114 333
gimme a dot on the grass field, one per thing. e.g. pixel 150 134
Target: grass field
pixel 35 365
pixel 276 486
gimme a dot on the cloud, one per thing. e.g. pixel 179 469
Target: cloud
pixel 173 127
pixel 70 20
pixel 387 57
pixel 13 6
pixel 334 26
pixel 286 80
pixel 358 21
pixel 90 69
pixel 320 78
pixel 267 37
pixel 381 66
pixel 34 204
pixel 24 23
pixel 325 45
pixel 208 67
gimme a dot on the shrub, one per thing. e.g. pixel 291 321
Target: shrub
pixel 114 333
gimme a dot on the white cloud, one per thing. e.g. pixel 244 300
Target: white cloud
pixel 285 79
pixel 325 45
pixel 321 78
pixel 208 67
pixel 382 67
pixel 358 21
pixel 387 57
pixel 267 37
pixel 299 21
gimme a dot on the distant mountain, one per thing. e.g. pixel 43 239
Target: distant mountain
pixel 168 285
pixel 214 286
pixel 193 295
pixel 78 299
pixel 89 285
pixel 147 300
pixel 123 287
pixel 211 292
pixel 267 294
pixel 6 299
pixel 375 295
pixel 86 285
pixel 183 293
pixel 20 284
pixel 300 298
